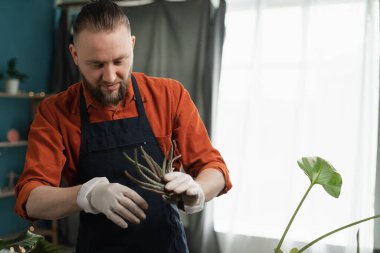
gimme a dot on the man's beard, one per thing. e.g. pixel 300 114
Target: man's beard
pixel 104 98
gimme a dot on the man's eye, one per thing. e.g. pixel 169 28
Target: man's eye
pixel 97 66
pixel 118 62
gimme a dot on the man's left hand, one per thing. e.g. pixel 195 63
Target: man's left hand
pixel 190 191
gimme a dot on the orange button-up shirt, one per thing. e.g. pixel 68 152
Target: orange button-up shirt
pixel 55 134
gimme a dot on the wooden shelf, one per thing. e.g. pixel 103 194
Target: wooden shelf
pixel 34 98
pixel 13 144
pixel 28 95
pixel 5 194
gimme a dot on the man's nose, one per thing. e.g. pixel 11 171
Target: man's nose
pixel 109 74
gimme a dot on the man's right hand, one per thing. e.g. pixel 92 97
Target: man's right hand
pixel 117 202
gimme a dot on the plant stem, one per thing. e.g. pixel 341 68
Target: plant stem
pixel 291 220
pixel 358 241
pixel 337 230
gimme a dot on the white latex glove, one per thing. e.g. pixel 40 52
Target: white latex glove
pixel 116 201
pixel 191 192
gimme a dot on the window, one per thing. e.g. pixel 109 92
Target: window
pixel 298 79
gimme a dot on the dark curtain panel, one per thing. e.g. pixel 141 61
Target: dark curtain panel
pixel 179 40
pixel 65 72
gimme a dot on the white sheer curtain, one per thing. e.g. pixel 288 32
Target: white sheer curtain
pixel 299 78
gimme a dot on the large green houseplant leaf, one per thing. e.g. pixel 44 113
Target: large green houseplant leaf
pixel 319 171
pixel 323 173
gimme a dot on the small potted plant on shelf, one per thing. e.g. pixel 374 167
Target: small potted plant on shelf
pixel 13 77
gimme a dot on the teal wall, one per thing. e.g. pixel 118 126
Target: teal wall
pixel 27 33
pixel 26 29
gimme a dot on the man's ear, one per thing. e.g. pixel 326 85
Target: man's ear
pixel 74 54
pixel 133 41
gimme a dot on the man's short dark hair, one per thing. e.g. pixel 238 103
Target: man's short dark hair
pixel 100 15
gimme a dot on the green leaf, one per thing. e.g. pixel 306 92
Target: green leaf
pixel 13 72
pixel 28 240
pixel 294 250
pixel 44 246
pixel 32 243
pixel 278 251
pixel 322 172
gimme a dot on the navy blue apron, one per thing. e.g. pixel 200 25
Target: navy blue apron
pixel 102 145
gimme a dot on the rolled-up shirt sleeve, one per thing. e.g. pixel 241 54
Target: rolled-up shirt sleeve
pixel 44 159
pixel 193 140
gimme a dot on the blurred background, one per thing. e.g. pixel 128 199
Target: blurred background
pixel 274 81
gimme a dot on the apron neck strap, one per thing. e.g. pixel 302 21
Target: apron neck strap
pixel 139 104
